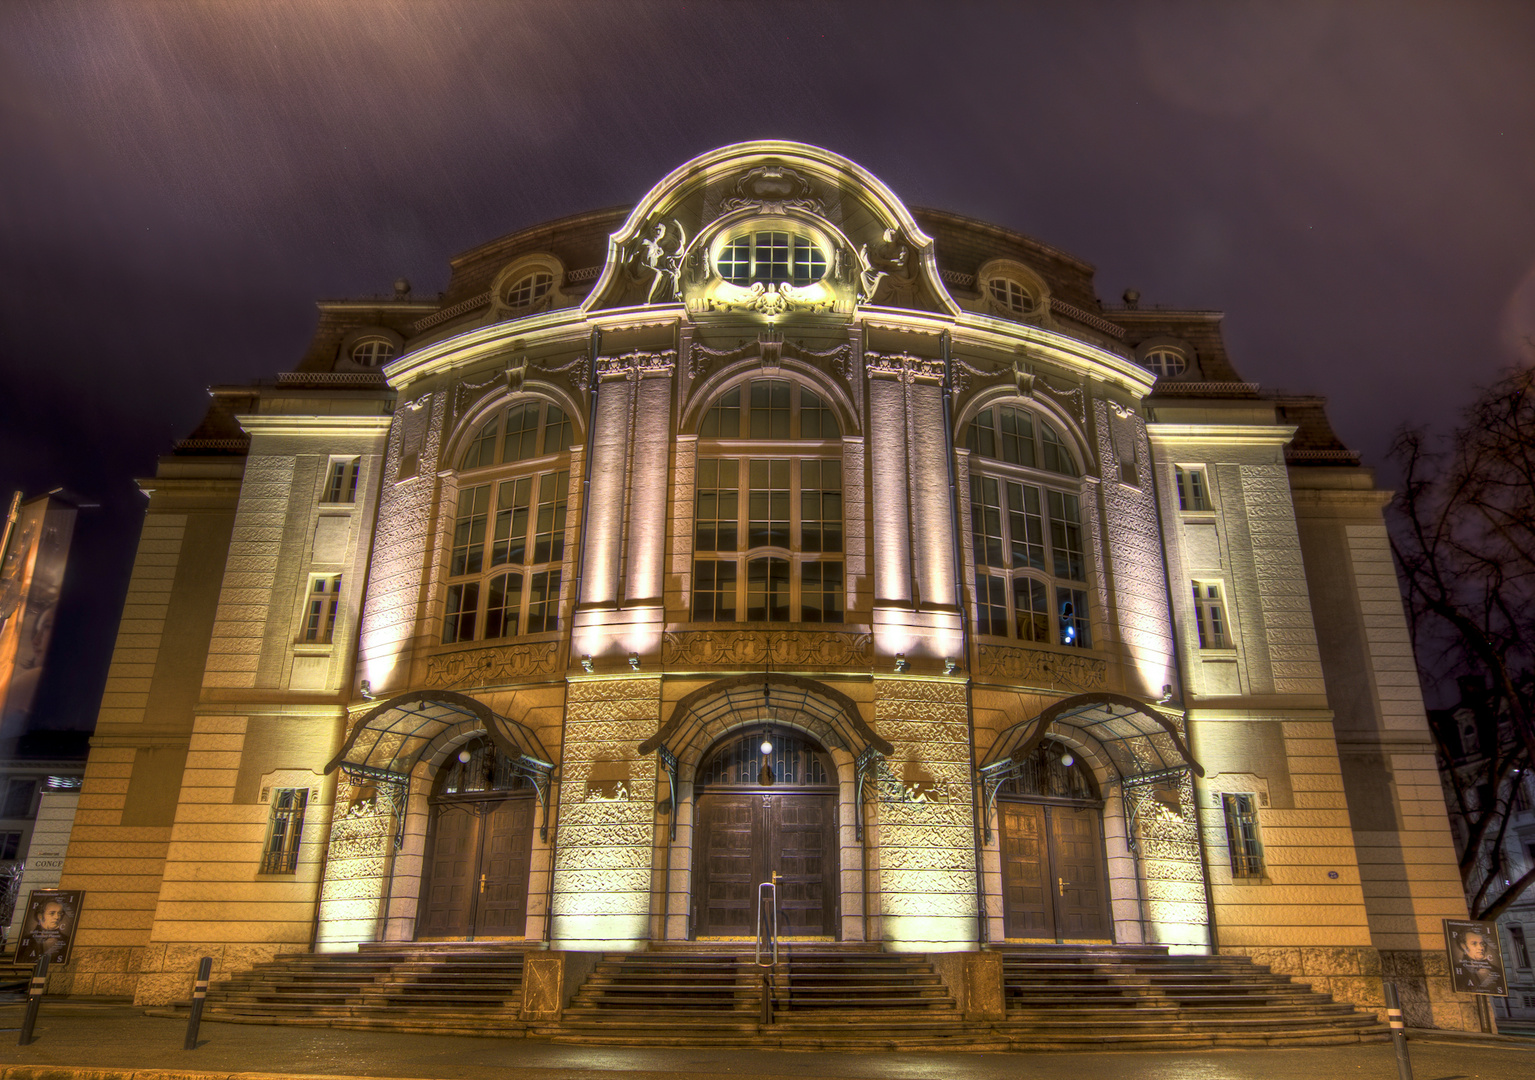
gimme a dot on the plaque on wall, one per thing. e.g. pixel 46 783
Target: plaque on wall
pixel 1476 957
pixel 48 929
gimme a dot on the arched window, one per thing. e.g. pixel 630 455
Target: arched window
pixel 505 562
pixel 1165 362
pixel 1012 295
pixel 771 258
pixel 767 532
pixel 528 290
pixel 478 767
pixel 1052 771
pixel 372 352
pixel 1026 532
pixel 796 761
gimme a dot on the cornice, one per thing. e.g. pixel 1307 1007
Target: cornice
pixel 1223 434
pixel 266 424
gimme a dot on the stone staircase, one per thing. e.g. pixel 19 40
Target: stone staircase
pixel 1139 997
pixel 448 988
pixel 824 996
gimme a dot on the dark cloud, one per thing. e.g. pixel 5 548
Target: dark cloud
pixel 1349 181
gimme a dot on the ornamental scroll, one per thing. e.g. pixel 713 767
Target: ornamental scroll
pixel 802 649
pixel 1039 667
pixel 480 667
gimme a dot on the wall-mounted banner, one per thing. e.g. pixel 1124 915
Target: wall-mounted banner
pixel 49 926
pixel 1476 959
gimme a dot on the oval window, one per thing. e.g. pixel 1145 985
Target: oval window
pixel 1011 295
pixel 371 352
pixel 771 258
pixel 1165 363
pixel 529 289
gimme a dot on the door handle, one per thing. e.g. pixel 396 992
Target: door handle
pixel 1060 883
pixel 482 883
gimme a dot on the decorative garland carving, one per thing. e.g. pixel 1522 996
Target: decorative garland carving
pixel 637 365
pixel 773 189
pixel 479 667
pixel 1040 667
pixel 1072 399
pixel 799 648
pixel 903 366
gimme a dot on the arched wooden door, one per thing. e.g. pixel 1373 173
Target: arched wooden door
pixel 745 831
pixel 1054 877
pixel 478 849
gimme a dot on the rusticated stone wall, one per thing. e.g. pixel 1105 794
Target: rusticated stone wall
pixel 926 838
pixel 607 810
pixel 356 870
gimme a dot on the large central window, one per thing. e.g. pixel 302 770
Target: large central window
pixel 1026 532
pixel 771 258
pixel 767 522
pixel 508 544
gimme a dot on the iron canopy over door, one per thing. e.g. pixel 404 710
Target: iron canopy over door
pixel 1054 880
pixel 479 847
pixel 745 832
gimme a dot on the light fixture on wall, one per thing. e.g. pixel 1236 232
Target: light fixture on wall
pixel 1167 694
pixel 949 665
pixel 366 690
pixel 586 663
pixel 900 663
pixel 634 660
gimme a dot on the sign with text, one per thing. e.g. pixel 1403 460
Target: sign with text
pixel 1476 958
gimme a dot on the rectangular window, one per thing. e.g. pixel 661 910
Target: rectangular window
pixel 469 531
pixel 10 845
pixel 509 543
pixel 714 591
pixel 1017 437
pixel 521 439
pixel 1025 526
pixel 341 485
pixel 717 505
pixel 18 798
pixel 1066 537
pixel 320 614
pixel 986 520
pixel 544 602
pixel 821 592
pixel 768 501
pixel 463 605
pixel 990 605
pixel 770 404
pixel 503 606
pixel 1191 489
pixel 820 501
pixel 1210 616
pixel 816 420
pixel 549 540
pixel 1031 603
pixel 1076 628
pixel 767 590
pixel 1242 835
pixel 1521 947
pixel 558 431
pixel 284 830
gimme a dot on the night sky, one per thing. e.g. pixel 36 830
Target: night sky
pixel 1352 182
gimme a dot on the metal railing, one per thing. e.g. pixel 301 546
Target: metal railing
pixel 767 942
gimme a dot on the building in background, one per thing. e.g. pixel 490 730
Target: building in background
pixel 765 527
pixel 1472 735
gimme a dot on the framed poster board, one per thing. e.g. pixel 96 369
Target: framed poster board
pixel 48 928
pixel 1476 957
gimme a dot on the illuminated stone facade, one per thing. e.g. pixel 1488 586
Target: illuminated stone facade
pixel 767 453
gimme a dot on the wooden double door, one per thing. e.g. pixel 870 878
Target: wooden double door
pixel 476 881
pixel 1054 882
pixel 742 838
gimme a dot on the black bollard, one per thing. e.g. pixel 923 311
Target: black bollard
pixel 1398 1031
pixel 199 995
pixel 34 1000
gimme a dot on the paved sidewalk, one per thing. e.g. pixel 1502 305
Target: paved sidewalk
pixel 122 1039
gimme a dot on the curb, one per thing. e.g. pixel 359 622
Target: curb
pixel 1470 1038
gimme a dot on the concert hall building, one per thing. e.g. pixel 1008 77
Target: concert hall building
pixel 765 527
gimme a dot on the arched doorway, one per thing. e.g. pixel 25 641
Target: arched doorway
pixel 758 814
pixel 1054 877
pixel 478 846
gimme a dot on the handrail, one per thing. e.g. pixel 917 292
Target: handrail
pixel 772 945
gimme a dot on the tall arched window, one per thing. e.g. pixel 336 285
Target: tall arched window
pixel 504 565
pixel 1026 531
pixel 767 525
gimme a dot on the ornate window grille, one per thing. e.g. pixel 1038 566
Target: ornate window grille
pixel 285 830
pixel 1242 835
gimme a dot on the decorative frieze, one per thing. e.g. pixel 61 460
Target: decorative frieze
pixel 484 667
pixel 1042 667
pixel 815 650
pixel 903 366
pixel 637 365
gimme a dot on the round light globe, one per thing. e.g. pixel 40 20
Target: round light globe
pixel 464 755
pixel 1067 760
pixel 767 747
